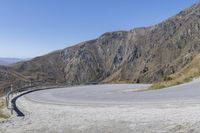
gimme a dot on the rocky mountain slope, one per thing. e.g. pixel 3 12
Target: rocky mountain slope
pixel 141 55
pixel 8 76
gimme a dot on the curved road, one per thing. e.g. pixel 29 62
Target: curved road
pixel 120 94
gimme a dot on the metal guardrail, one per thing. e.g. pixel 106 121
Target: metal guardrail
pixel 10 104
pixel 31 88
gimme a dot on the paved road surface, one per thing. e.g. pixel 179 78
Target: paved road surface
pixel 120 94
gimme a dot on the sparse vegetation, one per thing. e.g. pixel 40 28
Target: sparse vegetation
pixel 2 105
pixel 186 74
pixel 3 116
pixel 1 92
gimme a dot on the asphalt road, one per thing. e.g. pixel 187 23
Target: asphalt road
pixel 119 94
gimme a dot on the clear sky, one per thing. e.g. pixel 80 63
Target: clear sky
pixel 30 28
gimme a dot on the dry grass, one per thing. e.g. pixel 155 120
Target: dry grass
pixel 186 74
pixel 3 116
pixel 1 91
pixel 119 82
pixel 2 105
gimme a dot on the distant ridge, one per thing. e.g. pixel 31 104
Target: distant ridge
pixel 9 61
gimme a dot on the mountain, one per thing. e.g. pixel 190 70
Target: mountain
pixel 141 55
pixel 9 61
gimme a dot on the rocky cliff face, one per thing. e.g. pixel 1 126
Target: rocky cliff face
pixel 142 55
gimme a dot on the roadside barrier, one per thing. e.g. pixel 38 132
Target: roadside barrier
pixel 13 93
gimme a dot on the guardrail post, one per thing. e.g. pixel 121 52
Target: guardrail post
pixel 12 107
pixel 11 89
pixel 7 102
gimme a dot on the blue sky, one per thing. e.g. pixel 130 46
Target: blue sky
pixel 30 28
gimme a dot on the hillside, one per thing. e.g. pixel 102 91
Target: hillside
pixel 8 76
pixel 141 55
pixel 186 74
